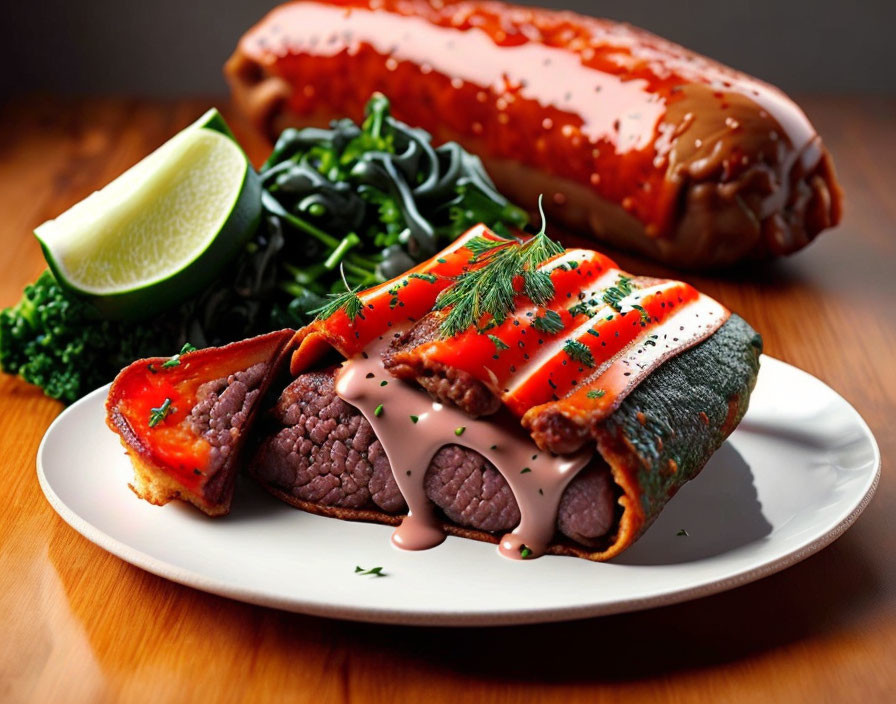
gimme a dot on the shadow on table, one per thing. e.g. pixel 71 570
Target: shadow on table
pixel 797 604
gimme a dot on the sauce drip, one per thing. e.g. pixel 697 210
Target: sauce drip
pixel 412 427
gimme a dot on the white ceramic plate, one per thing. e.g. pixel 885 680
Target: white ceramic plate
pixel 793 477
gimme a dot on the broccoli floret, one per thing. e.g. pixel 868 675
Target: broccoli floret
pixel 60 343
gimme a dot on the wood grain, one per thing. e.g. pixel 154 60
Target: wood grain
pixel 79 625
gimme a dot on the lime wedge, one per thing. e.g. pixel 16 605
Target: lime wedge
pixel 161 231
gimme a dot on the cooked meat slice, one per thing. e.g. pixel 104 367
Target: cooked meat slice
pixel 443 383
pixel 324 451
pixel 185 422
pixel 586 507
pixel 470 491
pixel 223 408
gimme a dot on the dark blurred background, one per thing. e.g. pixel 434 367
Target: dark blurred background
pixel 170 48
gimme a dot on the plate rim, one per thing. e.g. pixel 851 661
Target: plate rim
pixel 393 616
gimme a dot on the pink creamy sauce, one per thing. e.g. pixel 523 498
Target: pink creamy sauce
pixel 410 445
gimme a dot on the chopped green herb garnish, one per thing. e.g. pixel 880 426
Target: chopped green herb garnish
pixel 525 470
pixel 525 552
pixel 375 571
pixel 498 343
pixel 414 419
pixel 428 278
pixel 579 352
pixel 645 318
pixel 614 295
pixel 596 393
pixel 157 415
pixel 175 360
pixel 378 411
pixel 581 308
pixel 383 382
pixel 682 532
pixel 549 323
pixel 460 431
pixel 487 291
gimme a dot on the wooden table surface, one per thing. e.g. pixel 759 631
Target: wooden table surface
pixel 79 625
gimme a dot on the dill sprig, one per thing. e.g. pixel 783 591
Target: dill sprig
pixel 347 300
pixel 487 291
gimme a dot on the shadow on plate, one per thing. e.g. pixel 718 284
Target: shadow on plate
pixel 719 511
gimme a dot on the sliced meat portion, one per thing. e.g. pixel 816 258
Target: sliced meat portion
pixel 323 451
pixel 470 491
pixel 222 408
pixel 185 421
pixel 445 384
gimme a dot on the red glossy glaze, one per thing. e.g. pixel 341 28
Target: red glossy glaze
pixel 528 367
pixel 583 98
pixel 402 299
pixel 146 384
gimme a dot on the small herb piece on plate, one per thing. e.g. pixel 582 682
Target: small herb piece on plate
pixel 525 552
pixel 683 532
pixel 375 571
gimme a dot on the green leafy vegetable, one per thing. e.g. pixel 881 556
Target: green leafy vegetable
pixel 375 199
pixel 62 345
pixel 596 393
